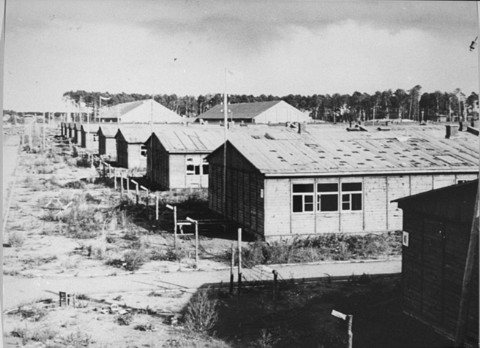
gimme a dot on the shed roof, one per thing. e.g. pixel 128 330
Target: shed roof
pixel 239 111
pixel 324 152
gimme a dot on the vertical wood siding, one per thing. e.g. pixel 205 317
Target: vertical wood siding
pixel 434 262
pixel 244 184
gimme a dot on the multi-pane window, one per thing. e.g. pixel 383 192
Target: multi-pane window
pixel 302 197
pixel 143 151
pixel 327 197
pixel 352 196
pixel 197 166
pixel 330 197
pixel 205 167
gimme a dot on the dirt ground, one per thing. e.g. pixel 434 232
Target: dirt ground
pixel 39 245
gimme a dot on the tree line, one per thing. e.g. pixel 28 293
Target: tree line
pixel 405 104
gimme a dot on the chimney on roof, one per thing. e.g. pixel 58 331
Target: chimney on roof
pixel 451 130
pixel 299 128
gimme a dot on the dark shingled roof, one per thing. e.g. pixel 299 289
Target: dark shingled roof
pixel 238 111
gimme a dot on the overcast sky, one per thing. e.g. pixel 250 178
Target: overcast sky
pixel 273 47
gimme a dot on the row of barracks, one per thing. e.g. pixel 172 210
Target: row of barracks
pixel 279 181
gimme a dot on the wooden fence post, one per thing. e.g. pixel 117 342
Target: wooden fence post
pixel 196 239
pixel 174 209
pixel 350 333
pixel 128 186
pixel 275 280
pixel 156 208
pixel 121 183
pixel 232 265
pixel 175 227
pixel 196 244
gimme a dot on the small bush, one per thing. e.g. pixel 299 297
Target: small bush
pixel 78 339
pixel 75 185
pixel 124 319
pixel 134 259
pixel 131 260
pixel 144 327
pixel 201 313
pixel 16 239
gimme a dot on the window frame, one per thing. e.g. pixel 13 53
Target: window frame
pixel 320 193
pixel 198 164
pixel 351 199
pixel 303 196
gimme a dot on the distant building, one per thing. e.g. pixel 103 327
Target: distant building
pixel 142 111
pixel 437 227
pixel 130 144
pixel 272 112
pixel 107 144
pixel 89 136
pixel 176 155
pixel 329 180
pixel 77 136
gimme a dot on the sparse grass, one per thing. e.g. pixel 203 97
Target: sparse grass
pixel 169 255
pixel 54 181
pixel 39 260
pixel 37 334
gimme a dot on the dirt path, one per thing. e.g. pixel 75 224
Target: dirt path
pixel 23 290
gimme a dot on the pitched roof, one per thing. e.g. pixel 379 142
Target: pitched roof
pixel 119 110
pixel 238 111
pixel 90 127
pixel 322 153
pixel 108 130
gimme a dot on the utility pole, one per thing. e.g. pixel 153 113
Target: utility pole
pixel 473 248
pixel 225 124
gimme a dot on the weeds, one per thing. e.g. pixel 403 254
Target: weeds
pixel 33 312
pixel 324 247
